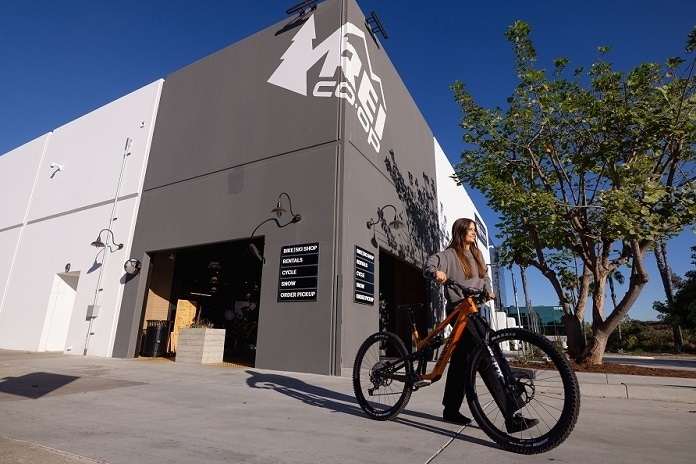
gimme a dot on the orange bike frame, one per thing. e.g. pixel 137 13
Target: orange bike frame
pixel 461 313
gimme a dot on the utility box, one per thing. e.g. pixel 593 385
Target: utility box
pixel 92 311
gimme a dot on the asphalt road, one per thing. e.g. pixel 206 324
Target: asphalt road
pixel 657 361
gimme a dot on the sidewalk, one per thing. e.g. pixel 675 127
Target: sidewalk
pixel 70 409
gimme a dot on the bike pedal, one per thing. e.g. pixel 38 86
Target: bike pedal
pixel 422 383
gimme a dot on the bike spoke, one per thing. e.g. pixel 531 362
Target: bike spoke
pixel 547 401
pixel 381 376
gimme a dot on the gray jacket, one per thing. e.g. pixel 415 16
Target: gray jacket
pixel 447 261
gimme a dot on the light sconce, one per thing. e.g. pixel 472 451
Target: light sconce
pixel 279 210
pixel 56 166
pixel 395 224
pixel 257 254
pixel 132 267
pixel 99 244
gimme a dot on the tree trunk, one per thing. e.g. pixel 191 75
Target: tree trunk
pixel 601 327
pixel 666 276
pixel 574 323
pixel 678 338
pixel 595 348
pixel 613 301
pixel 574 332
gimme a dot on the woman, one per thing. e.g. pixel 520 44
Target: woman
pixel 463 262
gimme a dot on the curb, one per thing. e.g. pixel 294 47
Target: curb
pixel 669 389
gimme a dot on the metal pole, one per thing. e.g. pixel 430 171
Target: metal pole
pixel 126 153
pixel 514 291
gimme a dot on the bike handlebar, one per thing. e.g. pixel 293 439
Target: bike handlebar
pixel 468 291
pixel 478 294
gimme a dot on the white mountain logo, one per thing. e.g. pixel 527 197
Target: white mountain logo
pixel 360 86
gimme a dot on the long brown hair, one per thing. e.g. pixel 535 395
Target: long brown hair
pixel 459 229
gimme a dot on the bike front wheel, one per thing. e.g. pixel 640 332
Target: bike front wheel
pixel 542 392
pixel 382 378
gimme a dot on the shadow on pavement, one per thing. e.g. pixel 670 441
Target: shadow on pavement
pixel 429 428
pixel 34 385
pixel 308 394
pixel 335 401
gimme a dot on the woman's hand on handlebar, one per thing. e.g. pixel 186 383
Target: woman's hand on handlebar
pixel 440 277
pixel 479 294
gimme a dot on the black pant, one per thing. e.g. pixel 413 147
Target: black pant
pixel 456 373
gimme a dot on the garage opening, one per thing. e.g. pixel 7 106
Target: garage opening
pixel 215 286
pixel 401 283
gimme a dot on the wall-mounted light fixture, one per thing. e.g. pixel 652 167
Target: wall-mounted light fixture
pixel 278 211
pixel 394 224
pixel 56 166
pixel 99 244
pixel 257 254
pixel 132 267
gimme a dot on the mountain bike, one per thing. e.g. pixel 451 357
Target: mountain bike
pixel 512 374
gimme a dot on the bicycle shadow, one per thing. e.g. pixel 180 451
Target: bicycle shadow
pixel 321 397
pixel 458 434
pixel 302 391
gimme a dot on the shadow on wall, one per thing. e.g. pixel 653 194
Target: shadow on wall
pixel 419 200
pixel 425 233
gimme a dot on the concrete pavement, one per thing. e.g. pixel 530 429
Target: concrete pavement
pixel 57 408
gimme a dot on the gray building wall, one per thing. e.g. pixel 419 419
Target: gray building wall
pixel 397 174
pixel 237 128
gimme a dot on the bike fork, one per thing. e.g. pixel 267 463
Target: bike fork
pixel 498 377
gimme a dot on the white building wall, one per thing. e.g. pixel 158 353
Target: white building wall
pixel 18 176
pixel 454 204
pixel 454 199
pixel 98 187
pixel 8 247
pixel 18 170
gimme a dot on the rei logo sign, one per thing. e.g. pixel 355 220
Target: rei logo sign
pixel 344 50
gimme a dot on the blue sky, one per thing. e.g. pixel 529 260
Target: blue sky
pixel 62 59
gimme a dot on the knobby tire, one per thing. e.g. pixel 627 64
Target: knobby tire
pixel 548 385
pixel 382 379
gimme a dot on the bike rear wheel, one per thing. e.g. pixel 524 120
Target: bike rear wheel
pixel 546 387
pixel 382 378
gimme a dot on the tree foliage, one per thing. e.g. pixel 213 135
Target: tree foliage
pixel 588 169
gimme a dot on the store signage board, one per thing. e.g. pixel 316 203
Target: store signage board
pixel 481 231
pixel 299 271
pixel 364 284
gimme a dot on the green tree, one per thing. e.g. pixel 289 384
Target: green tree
pixel 588 172
pixel 682 312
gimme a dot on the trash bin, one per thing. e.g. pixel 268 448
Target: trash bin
pixel 156 338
